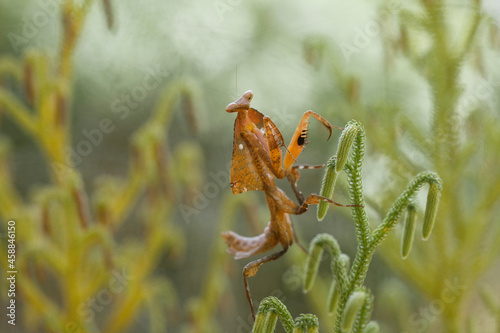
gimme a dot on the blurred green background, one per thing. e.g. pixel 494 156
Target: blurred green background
pixel 422 76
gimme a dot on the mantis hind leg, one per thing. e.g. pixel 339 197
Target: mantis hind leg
pixel 251 269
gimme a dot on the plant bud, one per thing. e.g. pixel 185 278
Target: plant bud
pixel 265 322
pixel 312 264
pixel 372 327
pixel 352 307
pixel 431 209
pixel 333 297
pixel 408 231
pixel 327 187
pixel 345 143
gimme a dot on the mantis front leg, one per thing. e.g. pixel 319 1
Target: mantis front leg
pixel 260 160
pixel 284 204
pixel 293 178
pixel 299 138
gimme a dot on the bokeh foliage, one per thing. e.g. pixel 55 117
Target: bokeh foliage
pixel 421 76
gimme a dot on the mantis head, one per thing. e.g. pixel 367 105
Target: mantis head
pixel 243 103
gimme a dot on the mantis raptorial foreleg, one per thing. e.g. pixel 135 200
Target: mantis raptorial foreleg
pixel 299 138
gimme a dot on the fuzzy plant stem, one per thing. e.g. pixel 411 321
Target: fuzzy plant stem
pixel 349 281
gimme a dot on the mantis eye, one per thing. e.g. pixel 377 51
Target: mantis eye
pixel 248 95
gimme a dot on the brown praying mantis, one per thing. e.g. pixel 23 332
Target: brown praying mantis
pixel 256 162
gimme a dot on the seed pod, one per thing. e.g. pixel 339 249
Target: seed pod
pixel 333 297
pixel 108 12
pixel 81 201
pixel 265 322
pixel 372 327
pixel 408 231
pixel 345 143
pixel 45 217
pixel 327 187
pixel 312 264
pixel 431 209
pixel 352 307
